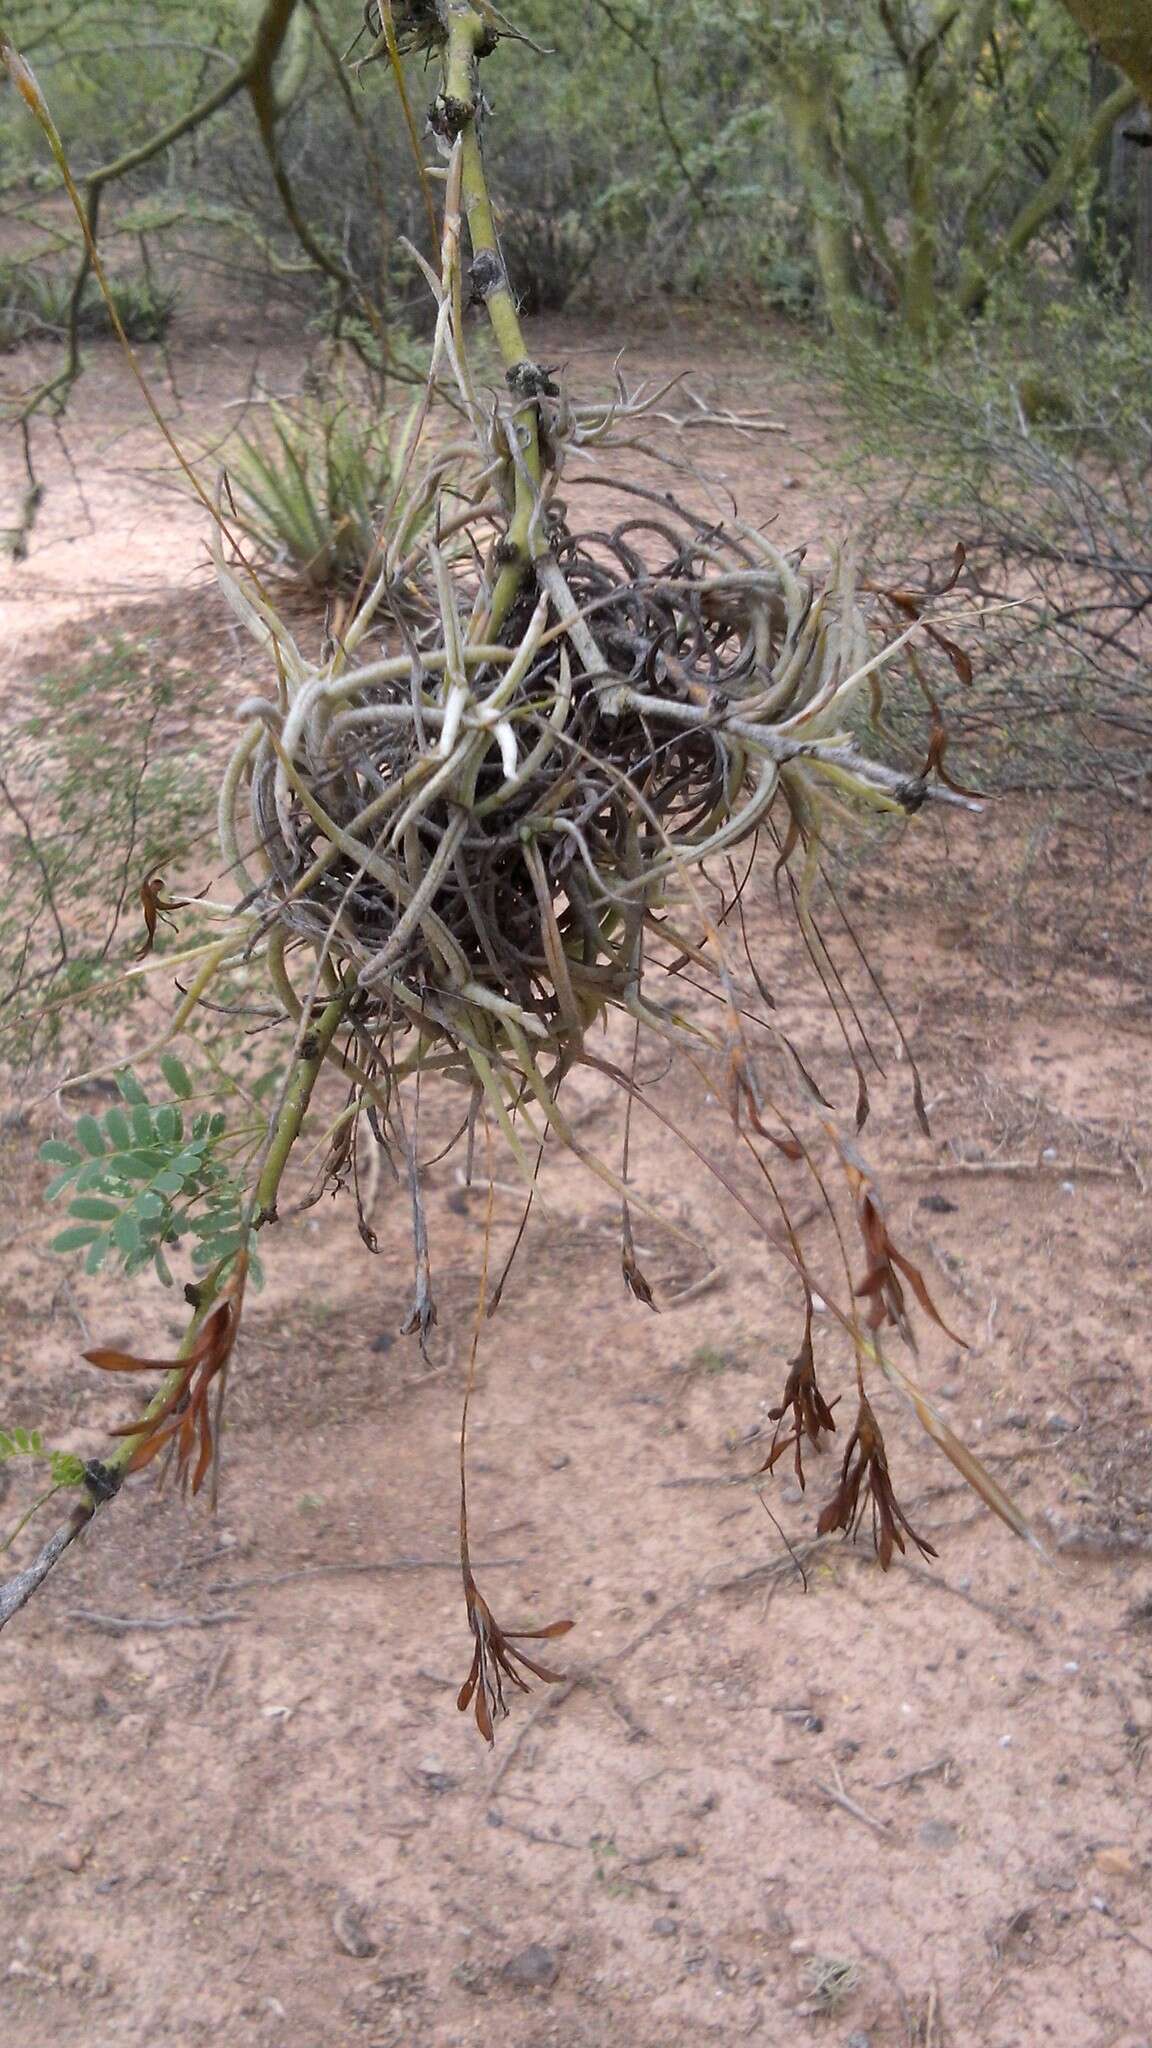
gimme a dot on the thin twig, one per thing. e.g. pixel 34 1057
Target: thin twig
pixel 120 1624
pixel 322 1571
pixel 837 1796
pixel 547 1704
pixel 695 1288
pixel 217 1672
pixel 1057 1169
pixel 943 1764
pixel 936 1583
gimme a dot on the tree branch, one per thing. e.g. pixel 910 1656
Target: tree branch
pixel 255 75
pixel 103 1485
pixel 1053 191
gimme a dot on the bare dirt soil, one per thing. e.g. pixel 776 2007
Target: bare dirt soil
pixel 843 1809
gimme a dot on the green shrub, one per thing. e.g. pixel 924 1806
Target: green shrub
pixel 36 302
pixel 1029 445
pixel 548 251
pixel 91 800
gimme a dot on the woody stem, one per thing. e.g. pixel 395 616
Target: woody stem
pixel 467 42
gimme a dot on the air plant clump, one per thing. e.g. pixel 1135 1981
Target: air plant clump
pixel 480 824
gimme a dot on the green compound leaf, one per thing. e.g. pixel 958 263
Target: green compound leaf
pixel 66 1469
pixel 59 1153
pixel 142 1124
pixel 126 1234
pixel 20 1443
pixel 117 1127
pixel 176 1074
pixel 75 1240
pixel 93 1209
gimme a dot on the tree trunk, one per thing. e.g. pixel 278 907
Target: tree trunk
pixel 831 234
pixel 926 124
pixel 1138 141
pixel 1104 258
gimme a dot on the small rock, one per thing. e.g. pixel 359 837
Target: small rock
pixel 939 1834
pixel 665 1925
pixel 432 1778
pixel 75 1855
pixel 535 1968
pixel 1116 1862
pixel 938 1205
pixel 559 1461
pixel 347 1926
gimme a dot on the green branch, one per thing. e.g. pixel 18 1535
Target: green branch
pixel 469 38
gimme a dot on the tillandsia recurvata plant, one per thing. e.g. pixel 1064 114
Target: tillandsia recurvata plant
pixel 481 823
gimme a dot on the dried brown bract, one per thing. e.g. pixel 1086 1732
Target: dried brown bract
pixel 881 1286
pixel 494 1659
pixel 156 908
pixel 811 1414
pixel 864 1475
pixel 635 1279
pixel 182 1417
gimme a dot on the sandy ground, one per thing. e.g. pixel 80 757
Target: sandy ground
pixel 844 1809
